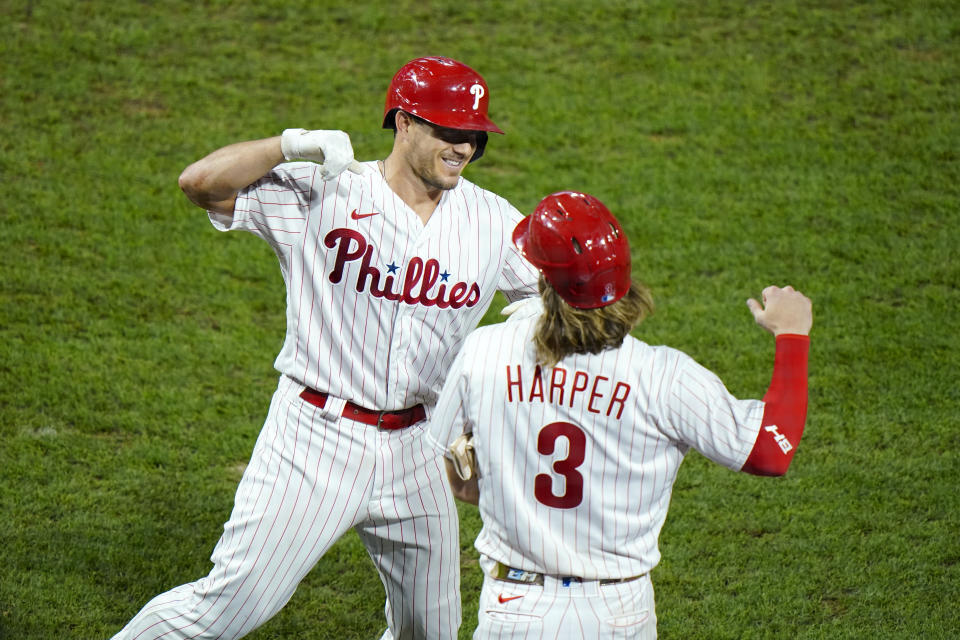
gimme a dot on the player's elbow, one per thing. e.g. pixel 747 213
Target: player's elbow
pixel 769 468
pixel 194 184
pixel 202 190
pixel 766 473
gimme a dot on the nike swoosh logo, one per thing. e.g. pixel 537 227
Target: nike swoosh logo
pixel 361 216
pixel 502 599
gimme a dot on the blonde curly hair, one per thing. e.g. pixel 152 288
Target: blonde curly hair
pixel 563 330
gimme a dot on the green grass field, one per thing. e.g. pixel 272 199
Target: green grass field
pixel 810 143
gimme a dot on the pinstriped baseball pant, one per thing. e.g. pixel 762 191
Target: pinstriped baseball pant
pixel 562 610
pixel 312 476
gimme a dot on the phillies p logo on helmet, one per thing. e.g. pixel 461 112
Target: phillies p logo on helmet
pixel 479 92
pixel 443 92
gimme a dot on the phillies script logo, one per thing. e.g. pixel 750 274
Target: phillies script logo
pixel 419 279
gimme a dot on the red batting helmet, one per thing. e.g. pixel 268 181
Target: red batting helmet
pixel 443 92
pixel 579 247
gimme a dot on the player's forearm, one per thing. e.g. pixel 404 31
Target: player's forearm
pixel 785 410
pixel 213 181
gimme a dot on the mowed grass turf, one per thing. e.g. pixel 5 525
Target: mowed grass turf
pixel 741 144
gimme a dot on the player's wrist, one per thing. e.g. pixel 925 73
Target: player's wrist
pixel 290 143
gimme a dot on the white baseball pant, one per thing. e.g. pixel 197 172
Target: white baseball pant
pixel 565 609
pixel 312 476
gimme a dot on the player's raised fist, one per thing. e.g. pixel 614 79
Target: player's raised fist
pixel 783 310
pixel 331 149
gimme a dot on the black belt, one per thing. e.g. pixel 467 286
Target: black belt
pixel 519 576
pixel 382 419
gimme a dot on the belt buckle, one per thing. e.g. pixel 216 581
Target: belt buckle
pixel 380 419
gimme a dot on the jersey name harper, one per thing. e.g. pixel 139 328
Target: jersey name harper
pixel 419 277
pixel 600 393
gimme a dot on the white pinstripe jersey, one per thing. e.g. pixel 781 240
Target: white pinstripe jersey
pixel 577 462
pixel 377 302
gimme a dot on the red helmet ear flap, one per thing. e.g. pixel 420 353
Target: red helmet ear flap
pixel 579 247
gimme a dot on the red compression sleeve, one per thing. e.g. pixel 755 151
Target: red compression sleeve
pixel 786 409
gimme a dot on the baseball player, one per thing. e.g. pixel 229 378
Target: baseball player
pixel 577 431
pixel 388 265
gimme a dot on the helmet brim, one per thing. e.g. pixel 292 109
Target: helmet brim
pixel 521 234
pixel 476 122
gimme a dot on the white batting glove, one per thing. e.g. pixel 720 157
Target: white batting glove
pixel 330 149
pixel 463 456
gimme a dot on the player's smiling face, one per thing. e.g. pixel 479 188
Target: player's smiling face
pixel 438 155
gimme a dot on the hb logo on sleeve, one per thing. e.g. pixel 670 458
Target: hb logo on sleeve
pixel 779 438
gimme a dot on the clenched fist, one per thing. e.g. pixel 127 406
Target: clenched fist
pixel 783 311
pixel 330 149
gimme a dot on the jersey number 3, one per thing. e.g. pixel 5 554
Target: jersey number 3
pixel 567 467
